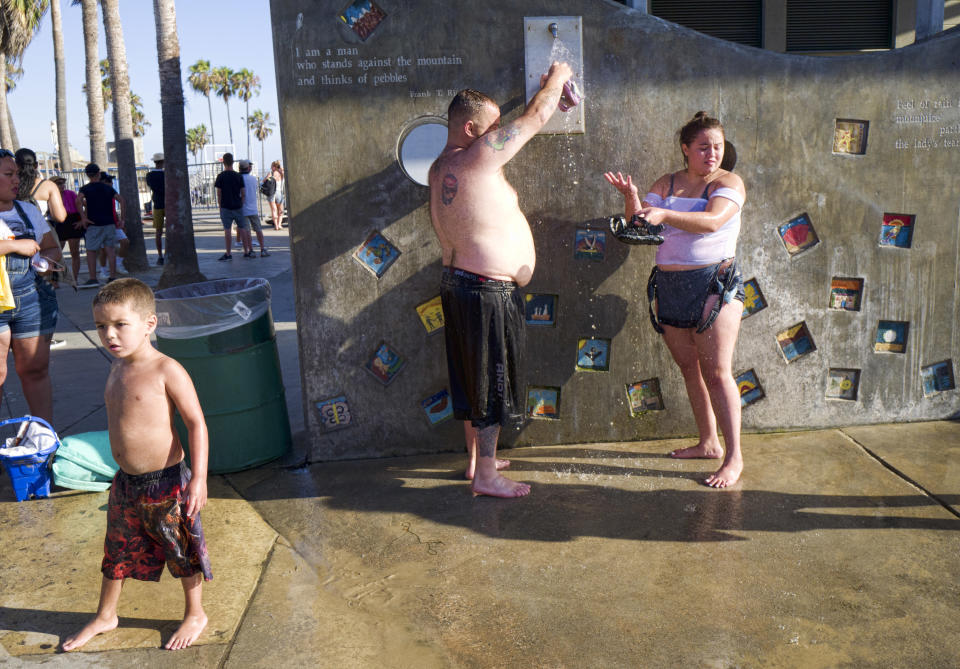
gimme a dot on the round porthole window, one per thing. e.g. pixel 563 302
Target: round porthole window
pixel 420 144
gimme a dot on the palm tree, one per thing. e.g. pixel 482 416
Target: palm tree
pixel 197 139
pixel 95 108
pixel 262 128
pixel 181 266
pixel 136 260
pixel 14 74
pixel 246 83
pixel 201 80
pixel 106 88
pixel 223 87
pixel 63 143
pixel 19 20
pixel 140 121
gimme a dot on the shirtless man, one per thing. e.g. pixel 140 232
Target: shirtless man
pixel 488 254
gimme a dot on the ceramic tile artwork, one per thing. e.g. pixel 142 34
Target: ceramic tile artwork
pixel 897 230
pixel 937 378
pixel 843 384
pixel 850 136
pixel 795 342
pixel 589 244
pixel 540 309
pixel 891 337
pixel 385 363
pixel 846 294
pixel 749 386
pixel 593 355
pixel 363 17
pixel 644 396
pixel 431 315
pixel 798 234
pixel 376 254
pixel 754 300
pixel 543 402
pixel 334 413
pixel 438 407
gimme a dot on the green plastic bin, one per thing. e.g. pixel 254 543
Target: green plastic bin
pixel 222 333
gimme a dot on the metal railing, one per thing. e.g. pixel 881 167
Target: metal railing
pixel 201 176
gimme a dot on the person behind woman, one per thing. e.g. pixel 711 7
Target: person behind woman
pixel 695 289
pixel 34 188
pixel 26 241
pixel 70 232
pixel 276 201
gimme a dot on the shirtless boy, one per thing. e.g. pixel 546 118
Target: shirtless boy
pixel 153 515
pixel 488 255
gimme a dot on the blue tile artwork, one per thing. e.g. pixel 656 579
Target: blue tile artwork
pixel 749 387
pixel 754 300
pixel 334 413
pixel 846 293
pixel 843 384
pixel 438 407
pixel 363 17
pixel 795 342
pixel 897 230
pixel 937 377
pixel 589 244
pixel 593 355
pixel 891 337
pixel 798 234
pixel 644 396
pixel 376 254
pixel 385 364
pixel 543 402
pixel 540 309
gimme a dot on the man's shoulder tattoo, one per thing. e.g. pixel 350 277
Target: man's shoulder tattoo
pixel 497 140
pixel 448 188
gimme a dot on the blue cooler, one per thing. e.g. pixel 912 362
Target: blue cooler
pixel 30 474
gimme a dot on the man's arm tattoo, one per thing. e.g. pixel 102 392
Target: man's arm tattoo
pixel 497 140
pixel 448 188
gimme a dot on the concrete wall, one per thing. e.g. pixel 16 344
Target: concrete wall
pixel 643 78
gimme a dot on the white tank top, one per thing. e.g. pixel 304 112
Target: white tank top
pixel 690 248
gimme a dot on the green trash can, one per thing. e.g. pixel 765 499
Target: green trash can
pixel 222 333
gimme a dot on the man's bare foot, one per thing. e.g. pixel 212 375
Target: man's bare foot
pixel 187 633
pixel 726 476
pixel 709 451
pixel 501 464
pixel 501 486
pixel 90 630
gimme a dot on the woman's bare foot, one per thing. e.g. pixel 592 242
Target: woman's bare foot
pixel 90 630
pixel 501 464
pixel 500 486
pixel 726 476
pixel 187 633
pixel 709 451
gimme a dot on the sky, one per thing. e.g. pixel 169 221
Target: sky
pixel 238 38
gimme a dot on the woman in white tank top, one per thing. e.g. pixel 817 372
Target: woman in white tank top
pixel 695 290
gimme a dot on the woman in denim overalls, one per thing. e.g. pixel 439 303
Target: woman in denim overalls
pixel 26 329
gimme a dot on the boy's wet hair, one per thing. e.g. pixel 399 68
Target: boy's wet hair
pixel 129 291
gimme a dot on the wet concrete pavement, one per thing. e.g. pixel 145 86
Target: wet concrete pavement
pixel 839 548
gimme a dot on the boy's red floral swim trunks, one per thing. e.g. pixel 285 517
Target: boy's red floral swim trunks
pixel 147 528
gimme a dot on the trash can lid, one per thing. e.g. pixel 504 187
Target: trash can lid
pixel 205 308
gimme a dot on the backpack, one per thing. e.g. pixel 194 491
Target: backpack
pixel 268 187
